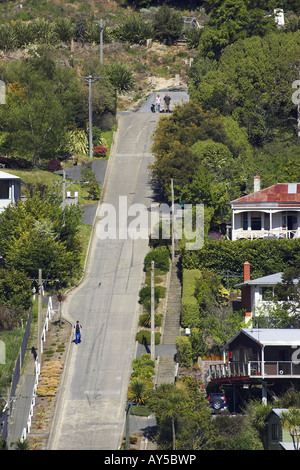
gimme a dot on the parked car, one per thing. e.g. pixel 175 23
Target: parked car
pixel 217 401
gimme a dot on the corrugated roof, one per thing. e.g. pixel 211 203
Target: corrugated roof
pixel 271 280
pixel 271 336
pixel 278 193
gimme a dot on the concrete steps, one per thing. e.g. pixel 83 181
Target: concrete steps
pixel 166 363
pixel 166 370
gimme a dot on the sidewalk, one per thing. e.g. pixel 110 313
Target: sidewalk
pixel 21 404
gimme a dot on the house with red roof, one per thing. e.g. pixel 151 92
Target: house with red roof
pixel 273 212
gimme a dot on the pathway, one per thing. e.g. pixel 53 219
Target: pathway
pixel 166 353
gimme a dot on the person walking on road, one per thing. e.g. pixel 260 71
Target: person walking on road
pixel 158 102
pixel 77 332
pixel 167 101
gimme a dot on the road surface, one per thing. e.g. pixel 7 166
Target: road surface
pixel 91 410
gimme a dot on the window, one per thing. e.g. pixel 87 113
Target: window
pixel 4 189
pixel 275 432
pixel 266 293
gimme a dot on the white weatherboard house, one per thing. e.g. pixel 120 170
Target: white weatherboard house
pixel 10 189
pixel 273 212
pixel 256 294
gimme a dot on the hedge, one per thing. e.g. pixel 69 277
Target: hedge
pixel 184 351
pixel 225 256
pixel 189 304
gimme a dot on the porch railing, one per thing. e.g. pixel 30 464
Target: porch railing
pixel 274 233
pixel 254 369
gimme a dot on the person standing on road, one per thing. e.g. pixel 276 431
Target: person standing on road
pixel 158 102
pixel 77 332
pixel 167 101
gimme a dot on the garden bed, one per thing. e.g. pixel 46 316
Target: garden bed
pixel 53 360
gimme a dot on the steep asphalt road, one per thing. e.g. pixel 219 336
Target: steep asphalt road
pixel 90 414
pixel 91 410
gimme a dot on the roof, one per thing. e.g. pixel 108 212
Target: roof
pixel 280 193
pixel 270 280
pixel 277 412
pixel 287 445
pixel 7 176
pixel 271 336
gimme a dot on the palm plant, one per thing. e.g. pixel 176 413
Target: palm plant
pixel 7 38
pixel 134 30
pixel 44 32
pixel 64 29
pixel 23 33
pixel 22 445
pixel 291 421
pixel 139 391
pixel 172 407
pixel 121 77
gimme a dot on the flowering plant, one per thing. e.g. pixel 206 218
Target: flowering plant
pixel 100 151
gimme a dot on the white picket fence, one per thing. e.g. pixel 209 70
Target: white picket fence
pixel 26 430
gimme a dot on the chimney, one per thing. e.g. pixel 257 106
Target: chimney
pixel 246 292
pixel 256 183
pixel 246 271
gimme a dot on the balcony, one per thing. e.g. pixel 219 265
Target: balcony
pixel 274 233
pixel 254 369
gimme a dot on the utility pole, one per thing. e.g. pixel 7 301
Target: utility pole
pixel 90 79
pixel 64 196
pixel 152 313
pixel 173 248
pixel 100 24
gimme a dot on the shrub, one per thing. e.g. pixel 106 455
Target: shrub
pixel 145 293
pixel 161 258
pixel 167 25
pixel 100 151
pixel 23 33
pixel 64 29
pixel 134 30
pixel 184 351
pixel 7 38
pixel 54 165
pixel 144 337
pixel 143 367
